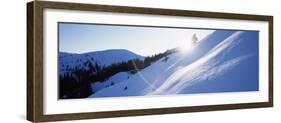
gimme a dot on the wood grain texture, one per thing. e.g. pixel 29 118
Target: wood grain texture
pixel 270 33
pixel 35 102
pixel 30 88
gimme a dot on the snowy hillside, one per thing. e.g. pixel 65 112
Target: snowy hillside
pixel 224 61
pixel 119 77
pixel 104 58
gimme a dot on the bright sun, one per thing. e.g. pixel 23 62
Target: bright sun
pixel 187 48
pixel 189 45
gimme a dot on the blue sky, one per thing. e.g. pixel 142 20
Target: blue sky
pixel 81 38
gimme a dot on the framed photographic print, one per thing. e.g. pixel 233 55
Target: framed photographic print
pixel 89 61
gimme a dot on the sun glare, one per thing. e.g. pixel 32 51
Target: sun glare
pixel 187 48
pixel 189 45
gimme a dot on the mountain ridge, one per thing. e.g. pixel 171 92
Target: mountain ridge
pixel 103 58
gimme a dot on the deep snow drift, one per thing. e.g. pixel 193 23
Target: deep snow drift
pixel 224 61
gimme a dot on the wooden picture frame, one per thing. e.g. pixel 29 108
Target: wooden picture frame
pixel 35 60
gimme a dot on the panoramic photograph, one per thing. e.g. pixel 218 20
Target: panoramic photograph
pixel 103 60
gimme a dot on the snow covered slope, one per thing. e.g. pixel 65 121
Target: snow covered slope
pixel 119 77
pixel 102 58
pixel 224 61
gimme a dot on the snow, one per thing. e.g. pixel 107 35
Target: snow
pixel 119 77
pixel 221 62
pixel 103 58
pixel 200 69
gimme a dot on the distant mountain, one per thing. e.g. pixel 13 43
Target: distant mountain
pixel 79 71
pixel 70 61
pixel 224 61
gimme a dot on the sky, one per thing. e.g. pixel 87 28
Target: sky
pixel 145 41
